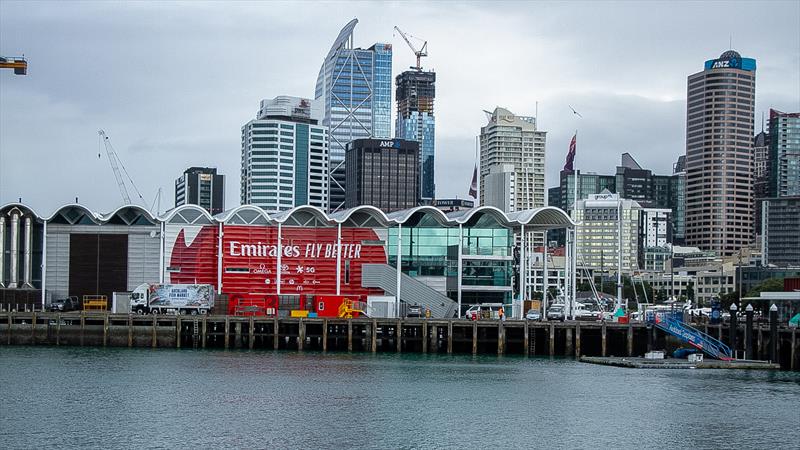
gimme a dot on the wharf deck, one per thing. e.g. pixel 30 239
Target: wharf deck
pixel 419 335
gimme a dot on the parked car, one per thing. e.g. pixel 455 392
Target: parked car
pixel 555 312
pixel 414 311
pixel 533 314
pixel 66 304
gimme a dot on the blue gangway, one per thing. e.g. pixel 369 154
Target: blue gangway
pixel 672 323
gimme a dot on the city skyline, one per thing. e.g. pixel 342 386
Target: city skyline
pixel 172 92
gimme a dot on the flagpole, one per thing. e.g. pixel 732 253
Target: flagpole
pixel 576 175
pixel 477 164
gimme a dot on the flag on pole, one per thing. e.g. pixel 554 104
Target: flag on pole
pixel 473 187
pixel 571 155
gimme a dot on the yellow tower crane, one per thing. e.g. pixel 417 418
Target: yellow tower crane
pixel 18 63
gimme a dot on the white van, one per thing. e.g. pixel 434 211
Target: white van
pixel 484 311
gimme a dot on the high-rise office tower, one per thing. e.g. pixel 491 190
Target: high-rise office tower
pixel 784 154
pixel 383 173
pixel 512 151
pixel 354 87
pixel 719 146
pixel 760 175
pixel 201 186
pixel 414 94
pixel 285 156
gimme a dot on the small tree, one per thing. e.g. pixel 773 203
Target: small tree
pixel 771 285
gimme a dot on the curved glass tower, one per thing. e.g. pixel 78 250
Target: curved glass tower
pixel 354 86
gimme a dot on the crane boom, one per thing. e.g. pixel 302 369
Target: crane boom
pixel 418 53
pixel 18 63
pixel 115 162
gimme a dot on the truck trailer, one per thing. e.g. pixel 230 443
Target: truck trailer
pixel 149 298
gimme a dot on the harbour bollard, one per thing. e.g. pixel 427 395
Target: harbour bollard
pixel 733 328
pixel 773 333
pixel 748 332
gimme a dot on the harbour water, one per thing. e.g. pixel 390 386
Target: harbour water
pixel 136 398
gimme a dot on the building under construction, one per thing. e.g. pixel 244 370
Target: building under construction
pixel 415 93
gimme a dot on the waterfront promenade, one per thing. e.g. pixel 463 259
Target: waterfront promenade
pixel 529 338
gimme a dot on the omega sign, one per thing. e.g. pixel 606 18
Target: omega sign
pixel 348 251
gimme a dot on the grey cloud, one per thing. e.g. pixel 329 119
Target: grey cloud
pixel 172 83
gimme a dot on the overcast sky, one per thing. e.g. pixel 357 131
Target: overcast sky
pixel 172 83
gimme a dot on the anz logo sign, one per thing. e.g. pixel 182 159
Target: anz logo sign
pixel 390 144
pixel 732 63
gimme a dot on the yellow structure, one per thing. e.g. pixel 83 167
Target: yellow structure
pixel 348 308
pixel 95 303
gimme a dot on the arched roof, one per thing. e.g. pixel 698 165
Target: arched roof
pixel 65 211
pixel 136 209
pixel 190 214
pixel 352 215
pixel 304 215
pixel 22 207
pixel 545 218
pixel 244 215
pixel 403 216
pixel 467 215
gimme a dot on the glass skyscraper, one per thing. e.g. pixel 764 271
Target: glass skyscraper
pixel 355 88
pixel 784 154
pixel 415 121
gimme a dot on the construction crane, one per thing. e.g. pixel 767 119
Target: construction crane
pixel 115 162
pixel 418 53
pixel 18 63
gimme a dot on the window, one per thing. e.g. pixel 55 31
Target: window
pixel 347 271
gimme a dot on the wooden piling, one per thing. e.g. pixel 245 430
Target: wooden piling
pixel 251 335
pixel 474 338
pixel 325 334
pixel 178 332
pixel 10 321
pixel 501 338
pixel 435 338
pixel 552 340
pixel 33 329
pixel 399 335
pixel 275 328
pixel 204 331
pixel 227 331
pixel 83 326
pixel 450 337
pixel 424 337
pixel 374 337
pixel 349 335
pixel 760 345
pixel 237 330
pixel 568 342
pixel 793 351
pixel 301 334
pixel 130 330
pixel 603 342
pixel 630 339
pixel 526 339
pixel 58 329
pixel 578 340
pixel 154 344
pixel 105 330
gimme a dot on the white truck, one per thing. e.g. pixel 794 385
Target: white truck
pixel 157 298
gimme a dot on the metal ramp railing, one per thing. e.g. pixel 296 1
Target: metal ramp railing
pixel 672 323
